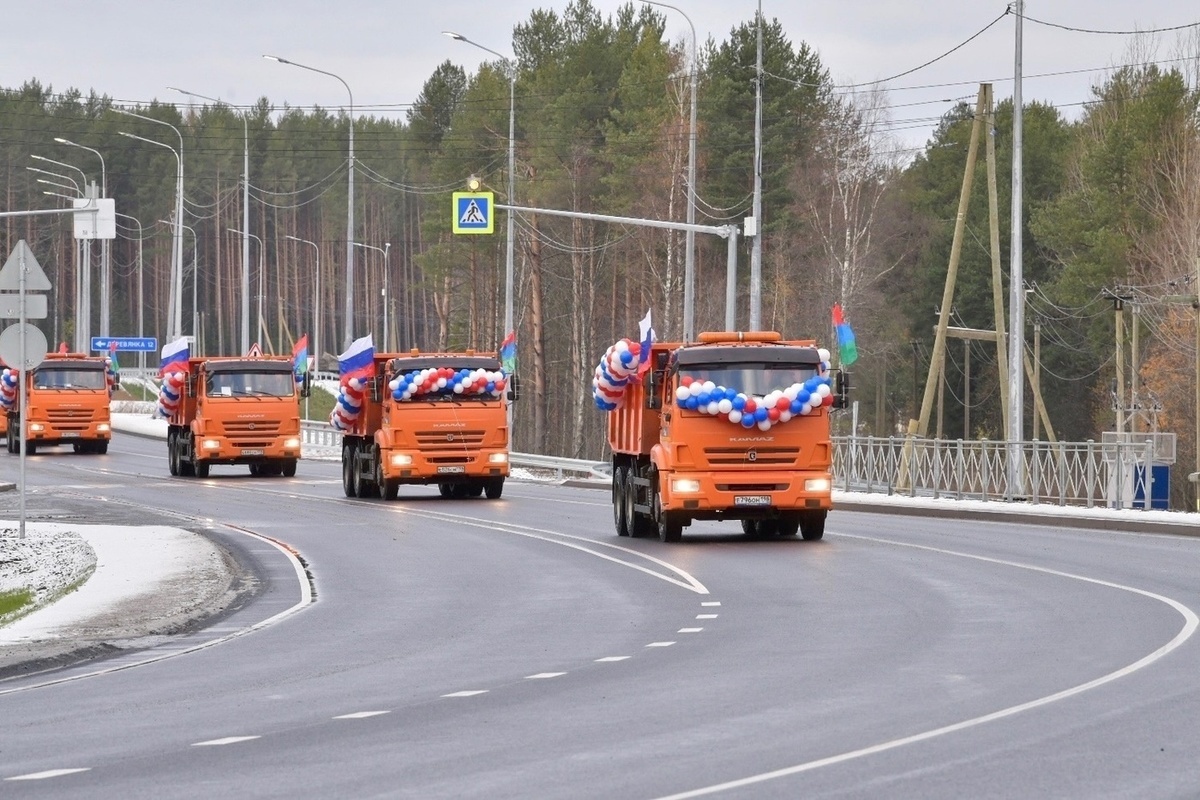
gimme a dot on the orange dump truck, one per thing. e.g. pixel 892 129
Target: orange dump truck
pixel 233 410
pixel 67 402
pixel 425 418
pixel 733 427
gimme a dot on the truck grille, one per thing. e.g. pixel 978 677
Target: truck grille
pixel 75 419
pixel 257 428
pixel 752 456
pixel 449 440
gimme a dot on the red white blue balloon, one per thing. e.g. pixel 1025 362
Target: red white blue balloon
pixel 614 373
pixel 169 395
pixel 441 381
pixel 752 411
pixel 10 380
pixel 349 405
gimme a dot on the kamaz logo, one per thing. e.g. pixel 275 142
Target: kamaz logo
pixel 752 439
pixel 450 425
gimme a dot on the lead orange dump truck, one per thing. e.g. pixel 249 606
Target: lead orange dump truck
pixel 425 418
pixel 67 402
pixel 733 427
pixel 233 410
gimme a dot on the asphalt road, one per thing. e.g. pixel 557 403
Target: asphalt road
pixel 518 648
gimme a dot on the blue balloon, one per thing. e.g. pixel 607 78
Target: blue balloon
pixel 703 399
pixel 802 396
pixel 760 414
pixel 796 405
pixel 739 402
pixel 692 402
pixel 748 421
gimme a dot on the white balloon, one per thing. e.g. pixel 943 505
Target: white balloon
pixel 713 407
pixel 682 393
pixel 735 416
pixel 709 387
pixel 784 416
pixel 823 353
pixel 725 406
pixel 823 390
pixel 764 425
pixel 696 388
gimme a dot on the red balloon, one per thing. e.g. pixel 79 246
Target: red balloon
pixel 500 385
pixel 686 380
pixel 750 406
pixel 827 400
pixel 635 348
pixel 782 403
pixel 773 414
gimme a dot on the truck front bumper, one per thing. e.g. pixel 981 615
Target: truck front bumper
pixel 410 466
pixel 745 495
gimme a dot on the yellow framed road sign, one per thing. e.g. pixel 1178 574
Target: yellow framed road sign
pixel 473 212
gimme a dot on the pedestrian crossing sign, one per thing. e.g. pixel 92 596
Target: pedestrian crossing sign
pixel 473 212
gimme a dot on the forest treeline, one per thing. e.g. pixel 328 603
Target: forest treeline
pixel 1111 208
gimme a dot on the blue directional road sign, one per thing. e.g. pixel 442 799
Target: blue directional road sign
pixel 473 212
pixel 145 344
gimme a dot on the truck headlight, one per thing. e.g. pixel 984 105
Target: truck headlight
pixel 36 427
pixel 103 427
pixel 498 458
pixel 816 485
pixel 682 485
pixel 291 443
pixel 212 444
pixel 401 460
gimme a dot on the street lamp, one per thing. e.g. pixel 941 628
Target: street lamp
pixel 83 255
pixel 316 298
pixel 73 185
pixel 245 219
pixel 141 289
pixel 689 256
pixel 262 267
pixel 386 247
pixel 195 281
pixel 177 279
pixel 508 259
pixel 349 331
pixel 105 244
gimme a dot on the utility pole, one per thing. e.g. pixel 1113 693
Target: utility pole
pixel 1118 301
pixel 1037 374
pixel 756 245
pixel 1134 382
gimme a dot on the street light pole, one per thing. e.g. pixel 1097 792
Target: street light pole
pixel 83 254
pixel 348 336
pixel 689 256
pixel 245 217
pixel 105 245
pixel 316 299
pixel 195 280
pixel 512 94
pixel 386 247
pixel 262 266
pixel 176 322
pixel 141 295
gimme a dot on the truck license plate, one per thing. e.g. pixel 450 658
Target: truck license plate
pixel 752 500
pixel 454 470
pixel 253 452
pixel 70 434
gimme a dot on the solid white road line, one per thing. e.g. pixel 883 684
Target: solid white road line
pixel 225 740
pixel 361 714
pixel 50 773
pixel 544 675
pixel 469 693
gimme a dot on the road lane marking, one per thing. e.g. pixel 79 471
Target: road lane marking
pixel 711 603
pixel 542 675
pixel 468 693
pixel 225 740
pixel 50 773
pixel 689 630
pixel 660 644
pixel 361 714
pixel 611 658
pixel 707 616
pixel 1190 624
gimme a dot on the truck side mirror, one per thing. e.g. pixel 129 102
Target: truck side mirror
pixel 306 385
pixel 841 395
pixel 514 388
pixel 375 387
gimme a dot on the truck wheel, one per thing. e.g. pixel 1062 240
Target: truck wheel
pixel 200 469
pixel 388 487
pixel 789 525
pixel 670 527
pixel 494 488
pixel 475 489
pixel 172 453
pixel 767 528
pixel 618 500
pixel 750 528
pixel 445 490
pixel 639 525
pixel 812 525
pixel 348 470
pixel 289 468
pixel 100 448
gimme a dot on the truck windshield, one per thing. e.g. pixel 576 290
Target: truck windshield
pixel 749 379
pixel 251 384
pixel 69 378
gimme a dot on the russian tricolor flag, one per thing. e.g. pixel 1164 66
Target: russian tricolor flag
pixel 175 356
pixel 359 359
pixel 646 334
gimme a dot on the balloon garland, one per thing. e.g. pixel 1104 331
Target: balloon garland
pixel 751 411
pixel 614 373
pixel 447 381
pixel 10 380
pixel 349 405
pixel 169 394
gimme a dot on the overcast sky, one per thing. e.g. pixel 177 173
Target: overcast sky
pixel 132 50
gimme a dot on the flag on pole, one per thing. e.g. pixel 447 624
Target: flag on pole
pixel 646 330
pixel 847 349
pixel 300 356
pixel 359 359
pixel 508 353
pixel 175 356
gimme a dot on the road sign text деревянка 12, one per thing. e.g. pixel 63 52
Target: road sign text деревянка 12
pixel 103 344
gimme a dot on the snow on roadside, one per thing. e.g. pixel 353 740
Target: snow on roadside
pixel 50 561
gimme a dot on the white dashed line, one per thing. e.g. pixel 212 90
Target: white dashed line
pixel 707 616
pixel 611 658
pixel 660 644
pixel 468 693
pixel 690 630
pixel 361 714
pixel 50 773
pixel 541 675
pixel 226 740
pixel 711 603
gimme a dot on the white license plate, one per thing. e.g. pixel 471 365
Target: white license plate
pixel 70 434
pixel 253 452
pixel 451 470
pixel 752 500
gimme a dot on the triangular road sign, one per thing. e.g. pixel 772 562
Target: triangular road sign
pixel 254 352
pixel 10 274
